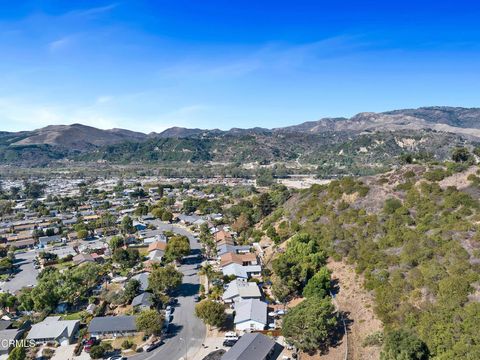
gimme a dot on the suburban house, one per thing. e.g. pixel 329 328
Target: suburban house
pixel 241 259
pixel 251 347
pixel 228 241
pixel 139 226
pixel 157 245
pixel 143 301
pixel 240 289
pixel 227 248
pixel 112 326
pixel 222 235
pixel 82 258
pixel 52 329
pixel 142 278
pixel 156 255
pixel 241 271
pixel 45 240
pixel 250 315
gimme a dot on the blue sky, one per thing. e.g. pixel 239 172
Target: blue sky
pixel 150 65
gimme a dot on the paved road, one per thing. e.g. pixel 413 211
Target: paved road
pixel 27 274
pixel 188 331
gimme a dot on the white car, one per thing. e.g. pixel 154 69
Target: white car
pixel 231 335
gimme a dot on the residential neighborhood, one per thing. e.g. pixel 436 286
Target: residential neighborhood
pixel 113 268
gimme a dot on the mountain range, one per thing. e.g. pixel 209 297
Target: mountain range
pixel 366 139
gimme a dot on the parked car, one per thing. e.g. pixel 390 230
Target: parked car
pixel 196 298
pixel 231 335
pixel 153 346
pixel 173 301
pixel 229 343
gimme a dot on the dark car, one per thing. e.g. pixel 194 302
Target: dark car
pixel 229 343
pixel 153 346
pixel 196 298
pixel 173 301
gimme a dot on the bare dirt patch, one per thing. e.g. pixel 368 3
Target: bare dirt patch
pixel 355 301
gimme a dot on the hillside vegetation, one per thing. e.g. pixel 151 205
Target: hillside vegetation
pixel 415 242
pixel 367 143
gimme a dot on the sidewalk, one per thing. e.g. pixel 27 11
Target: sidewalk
pixel 213 341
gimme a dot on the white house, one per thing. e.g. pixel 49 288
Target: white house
pixel 239 290
pixel 52 329
pixel 241 271
pixel 250 315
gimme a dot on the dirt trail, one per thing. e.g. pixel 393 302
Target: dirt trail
pixel 459 180
pixel 358 304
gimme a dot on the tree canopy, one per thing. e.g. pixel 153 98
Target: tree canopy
pixel 211 312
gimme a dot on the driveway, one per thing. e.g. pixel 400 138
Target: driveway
pixel 188 332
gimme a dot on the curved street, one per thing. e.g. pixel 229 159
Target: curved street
pixel 188 332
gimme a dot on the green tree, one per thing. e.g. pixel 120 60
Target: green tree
pixel 211 312
pixel 82 233
pixel 460 154
pixel 126 258
pixel 164 279
pixel 319 284
pixel 158 212
pixel 127 225
pixel 308 325
pixel 403 345
pixel 132 288
pixel 302 259
pixel 177 247
pixel 264 203
pixel 116 242
pixel 150 322
pixel 17 353
pixel 167 216
pixel 97 352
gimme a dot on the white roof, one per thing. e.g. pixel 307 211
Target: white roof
pixel 241 271
pixel 52 328
pixel 252 309
pixel 241 288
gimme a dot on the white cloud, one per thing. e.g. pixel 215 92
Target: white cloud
pixel 93 11
pixel 104 99
pixel 60 43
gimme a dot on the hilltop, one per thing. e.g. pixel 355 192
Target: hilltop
pixel 412 237
pixel 365 143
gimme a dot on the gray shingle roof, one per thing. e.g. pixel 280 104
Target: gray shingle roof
pixel 112 324
pixel 252 309
pixel 250 347
pixel 52 327
pixel 144 299
pixel 143 279
pixel 241 288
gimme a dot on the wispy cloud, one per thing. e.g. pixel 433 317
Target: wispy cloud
pixel 60 43
pixel 271 56
pixel 93 11
pixel 104 99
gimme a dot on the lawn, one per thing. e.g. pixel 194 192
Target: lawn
pixel 137 340
pixel 143 251
pixel 64 265
pixel 73 316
